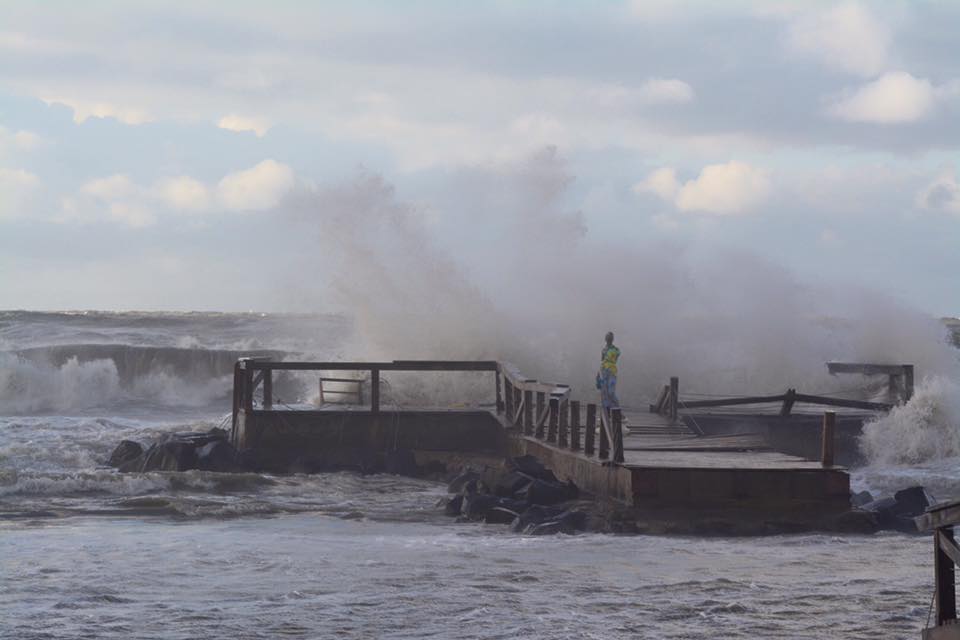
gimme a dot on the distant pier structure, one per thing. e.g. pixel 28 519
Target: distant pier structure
pixel 672 453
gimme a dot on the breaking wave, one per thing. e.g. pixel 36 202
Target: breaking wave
pixel 925 429
pixel 82 376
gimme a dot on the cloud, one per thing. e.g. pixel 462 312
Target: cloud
pixel 17 188
pixel 943 194
pixel 829 239
pixel 893 98
pixel 666 91
pixel 662 183
pixel 846 37
pixel 21 140
pixel 260 187
pixel 732 188
pixel 83 109
pixel 113 187
pixel 259 126
pixel 184 193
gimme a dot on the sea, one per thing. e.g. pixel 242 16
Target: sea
pixel 87 552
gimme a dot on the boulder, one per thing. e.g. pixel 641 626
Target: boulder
pixel 505 511
pixel 547 493
pixel 401 462
pixel 511 484
pixel 568 522
pixel 530 466
pixel 170 455
pixel 217 455
pixel 475 506
pixel 912 502
pixel 899 511
pixel 534 515
pixel 460 481
pixel 861 498
pixel 125 452
pixel 454 506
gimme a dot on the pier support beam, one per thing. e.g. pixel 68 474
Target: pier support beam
pixel 827 444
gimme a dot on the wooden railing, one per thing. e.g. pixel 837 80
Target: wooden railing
pixel 668 403
pixel 542 410
pixel 545 411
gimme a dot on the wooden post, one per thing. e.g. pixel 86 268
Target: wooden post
pixel 788 399
pixel 508 394
pixel 907 382
pixel 375 390
pixel 538 428
pixel 674 398
pixel 500 405
pixel 617 420
pixel 237 385
pixel 517 399
pixel 527 412
pixel 604 448
pixel 268 389
pixel 943 567
pixel 590 432
pixel 562 438
pixel 827 443
pixel 574 425
pixel 554 422
pixel 248 389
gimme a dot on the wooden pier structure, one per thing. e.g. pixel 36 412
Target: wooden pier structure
pixel 649 458
pixel 941 519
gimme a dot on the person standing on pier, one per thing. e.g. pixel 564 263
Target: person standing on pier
pixel 607 378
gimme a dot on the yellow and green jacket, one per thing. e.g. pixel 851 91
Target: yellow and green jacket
pixel 608 359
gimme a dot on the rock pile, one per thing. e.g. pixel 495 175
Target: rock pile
pixel 208 451
pixel 896 512
pixel 524 494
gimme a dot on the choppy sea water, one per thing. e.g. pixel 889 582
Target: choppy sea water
pixel 86 552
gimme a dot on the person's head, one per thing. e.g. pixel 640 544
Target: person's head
pixel 609 337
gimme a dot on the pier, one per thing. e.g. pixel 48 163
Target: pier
pixel 646 459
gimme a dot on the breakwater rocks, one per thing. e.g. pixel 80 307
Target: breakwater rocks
pixel 206 451
pixel 523 494
pixel 896 512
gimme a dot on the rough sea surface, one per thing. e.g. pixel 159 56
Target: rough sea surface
pixel 86 552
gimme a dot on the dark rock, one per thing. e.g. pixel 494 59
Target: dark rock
pixel 512 483
pixel 475 506
pixel 458 483
pixel 530 466
pixel 126 451
pixel 454 506
pixel 506 511
pixel 911 502
pixel 891 513
pixel 569 522
pixel 218 455
pixel 401 462
pixel 861 498
pixel 433 469
pixel 547 493
pixel 533 515
pixel 170 455
pixel 249 460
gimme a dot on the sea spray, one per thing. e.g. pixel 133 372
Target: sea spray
pixel 927 428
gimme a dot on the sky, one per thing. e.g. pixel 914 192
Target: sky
pixel 183 155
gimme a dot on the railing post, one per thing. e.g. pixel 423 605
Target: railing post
pixel 527 412
pixel 375 390
pixel 500 405
pixel 508 395
pixel 562 438
pixel 248 388
pixel 590 433
pixel 237 385
pixel 827 441
pixel 574 425
pixel 907 382
pixel 604 448
pixel 789 398
pixel 538 427
pixel 617 427
pixel 943 567
pixel 554 422
pixel 268 389
pixel 674 398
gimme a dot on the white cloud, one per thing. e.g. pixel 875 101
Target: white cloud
pixel 894 97
pixel 943 194
pixel 83 109
pixel 18 140
pixel 183 193
pixel 662 182
pixel 829 239
pixel 17 187
pixel 666 91
pixel 260 187
pixel 133 214
pixel 732 188
pixel 112 187
pixel 847 37
pixel 232 122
